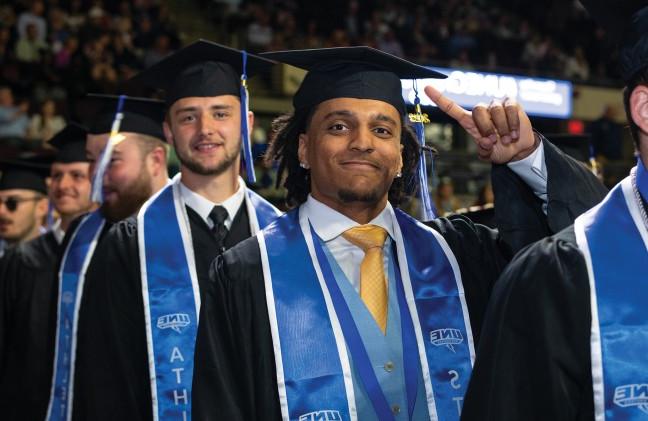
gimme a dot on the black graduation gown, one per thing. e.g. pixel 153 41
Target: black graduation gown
pixel 112 376
pixel 27 282
pixel 29 288
pixel 234 372
pixel 533 361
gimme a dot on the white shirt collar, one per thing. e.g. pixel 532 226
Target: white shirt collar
pixel 203 206
pixel 58 232
pixel 330 224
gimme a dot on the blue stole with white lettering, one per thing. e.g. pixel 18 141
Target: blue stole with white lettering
pixel 614 241
pixel 171 294
pixel 312 327
pixel 71 279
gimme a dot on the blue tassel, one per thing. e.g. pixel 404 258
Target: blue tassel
pixel 593 162
pixel 50 215
pixel 106 154
pixel 428 210
pixel 246 142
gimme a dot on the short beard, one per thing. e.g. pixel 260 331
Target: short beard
pixel 350 196
pixel 197 168
pixel 131 198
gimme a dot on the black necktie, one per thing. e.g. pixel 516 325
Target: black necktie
pixel 218 215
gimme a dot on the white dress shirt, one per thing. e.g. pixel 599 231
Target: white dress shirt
pixel 58 232
pixel 203 206
pixel 329 225
pixel 533 171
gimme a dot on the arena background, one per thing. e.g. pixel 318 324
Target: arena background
pixel 52 53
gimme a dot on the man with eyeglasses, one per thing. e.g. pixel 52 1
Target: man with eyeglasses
pixel 23 202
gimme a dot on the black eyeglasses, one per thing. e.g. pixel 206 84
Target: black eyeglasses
pixel 12 202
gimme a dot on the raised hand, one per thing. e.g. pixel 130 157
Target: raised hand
pixel 502 131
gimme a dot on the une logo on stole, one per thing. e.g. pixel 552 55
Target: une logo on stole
pixel 446 337
pixel 67 298
pixel 174 322
pixel 632 395
pixel 324 415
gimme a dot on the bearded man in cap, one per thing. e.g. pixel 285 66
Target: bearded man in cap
pixel 128 160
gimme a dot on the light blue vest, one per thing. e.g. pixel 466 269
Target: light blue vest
pixel 385 351
pixel 317 328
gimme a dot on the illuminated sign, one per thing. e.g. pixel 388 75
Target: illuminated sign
pixel 538 97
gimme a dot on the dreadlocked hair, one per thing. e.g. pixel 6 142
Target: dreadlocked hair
pixel 284 145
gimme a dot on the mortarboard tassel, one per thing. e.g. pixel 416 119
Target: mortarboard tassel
pixel 50 215
pixel 245 130
pixel 106 154
pixel 593 162
pixel 428 209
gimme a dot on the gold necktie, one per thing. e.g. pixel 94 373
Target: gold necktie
pixel 373 285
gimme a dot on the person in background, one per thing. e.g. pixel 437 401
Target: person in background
pixel 13 117
pixel 564 336
pixel 23 201
pixel 29 48
pixel 444 198
pixel 132 166
pixel 45 124
pixel 33 16
pixel 28 283
pixel 607 135
pixel 485 196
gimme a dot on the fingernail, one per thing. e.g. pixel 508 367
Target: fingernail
pixel 493 138
pixel 506 139
pixel 514 134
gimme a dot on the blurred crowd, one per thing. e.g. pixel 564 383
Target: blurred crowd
pixel 53 52
pixel 548 39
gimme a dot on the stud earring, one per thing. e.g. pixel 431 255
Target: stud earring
pixel 304 166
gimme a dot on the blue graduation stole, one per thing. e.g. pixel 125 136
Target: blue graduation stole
pixel 614 241
pixel 171 294
pixel 312 327
pixel 71 278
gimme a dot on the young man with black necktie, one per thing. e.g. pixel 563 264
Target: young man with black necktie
pixel 136 359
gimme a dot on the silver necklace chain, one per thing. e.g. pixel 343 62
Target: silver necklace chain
pixel 635 189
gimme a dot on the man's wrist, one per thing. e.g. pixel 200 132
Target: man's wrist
pixel 528 151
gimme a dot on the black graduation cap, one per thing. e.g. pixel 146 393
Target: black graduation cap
pixel 70 144
pixel 351 72
pixel 23 174
pixel 201 69
pixel 141 115
pixel 626 24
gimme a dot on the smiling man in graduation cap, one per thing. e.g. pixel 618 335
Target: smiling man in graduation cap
pixel 566 333
pixel 143 325
pixel 127 156
pixel 347 308
pixel 27 282
pixel 70 185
